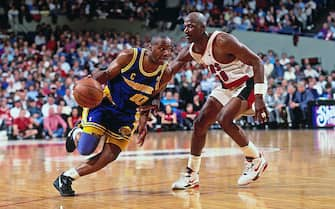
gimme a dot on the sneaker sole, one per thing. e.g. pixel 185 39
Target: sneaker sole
pixel 187 188
pixel 258 175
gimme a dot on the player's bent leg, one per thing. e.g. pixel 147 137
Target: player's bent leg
pixel 87 143
pixel 255 163
pixel 63 182
pixel 109 153
pixel 207 116
pixel 226 117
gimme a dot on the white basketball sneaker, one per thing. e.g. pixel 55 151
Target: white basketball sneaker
pixel 253 170
pixel 186 181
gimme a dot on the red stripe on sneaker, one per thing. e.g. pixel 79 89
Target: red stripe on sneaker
pixel 259 165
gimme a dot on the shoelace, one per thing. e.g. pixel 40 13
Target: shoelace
pixel 248 166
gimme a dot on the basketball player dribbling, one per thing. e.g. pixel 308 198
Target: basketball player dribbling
pixel 242 77
pixel 133 81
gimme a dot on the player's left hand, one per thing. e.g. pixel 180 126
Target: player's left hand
pixel 142 133
pixel 261 114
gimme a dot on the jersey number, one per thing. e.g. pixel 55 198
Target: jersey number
pixel 216 68
pixel 139 99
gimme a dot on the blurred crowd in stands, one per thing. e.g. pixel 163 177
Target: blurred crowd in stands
pixel 38 69
pixel 38 73
pixel 280 16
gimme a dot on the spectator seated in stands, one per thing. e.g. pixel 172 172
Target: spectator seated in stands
pixel 23 127
pixel 189 116
pixel 293 110
pixel 328 93
pixel 15 111
pixel 54 125
pixel 36 116
pixel 169 119
pixel 270 105
pixel 280 109
pixel 170 100
pixel 300 104
pixel 74 118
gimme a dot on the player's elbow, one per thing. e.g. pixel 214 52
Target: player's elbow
pixel 256 61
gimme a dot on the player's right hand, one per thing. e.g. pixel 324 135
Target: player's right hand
pixel 261 114
pixel 142 133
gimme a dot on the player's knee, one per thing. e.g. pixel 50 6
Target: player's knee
pixel 225 121
pixel 87 143
pixel 200 124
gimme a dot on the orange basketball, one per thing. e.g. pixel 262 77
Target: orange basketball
pixel 88 92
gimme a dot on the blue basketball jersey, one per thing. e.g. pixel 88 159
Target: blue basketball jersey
pixel 124 94
pixel 134 86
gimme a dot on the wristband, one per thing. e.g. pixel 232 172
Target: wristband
pixel 260 88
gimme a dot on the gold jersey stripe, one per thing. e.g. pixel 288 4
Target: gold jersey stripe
pixel 139 87
pixel 130 64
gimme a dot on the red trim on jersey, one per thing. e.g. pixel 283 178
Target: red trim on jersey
pixel 251 99
pixel 236 83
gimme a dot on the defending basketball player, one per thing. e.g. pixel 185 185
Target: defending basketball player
pixel 242 77
pixel 132 81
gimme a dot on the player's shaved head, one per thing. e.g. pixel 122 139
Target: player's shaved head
pixel 196 17
pixel 159 39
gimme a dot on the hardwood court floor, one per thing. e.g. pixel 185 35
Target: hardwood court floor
pixel 301 174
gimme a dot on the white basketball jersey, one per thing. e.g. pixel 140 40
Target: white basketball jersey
pixel 232 74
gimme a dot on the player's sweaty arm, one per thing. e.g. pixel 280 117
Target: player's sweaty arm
pixel 232 46
pixel 114 69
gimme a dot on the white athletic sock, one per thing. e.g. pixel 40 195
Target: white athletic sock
pixel 194 163
pixel 250 150
pixel 75 132
pixel 73 173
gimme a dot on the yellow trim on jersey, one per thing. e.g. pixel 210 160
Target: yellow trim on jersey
pixel 160 76
pixel 108 95
pixel 103 129
pixel 139 87
pixel 93 130
pixel 130 64
pixel 107 92
pixel 122 144
pixel 140 63
pixel 84 114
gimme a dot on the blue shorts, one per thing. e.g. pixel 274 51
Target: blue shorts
pixel 106 119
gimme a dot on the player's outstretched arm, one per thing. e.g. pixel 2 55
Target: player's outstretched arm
pixel 232 46
pixel 175 66
pixel 114 69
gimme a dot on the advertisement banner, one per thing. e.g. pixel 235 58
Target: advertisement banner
pixel 323 116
